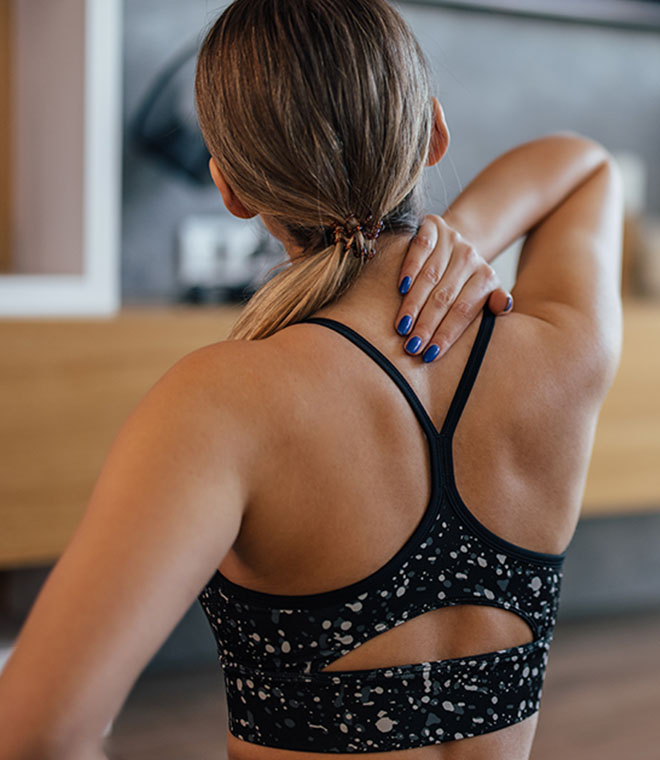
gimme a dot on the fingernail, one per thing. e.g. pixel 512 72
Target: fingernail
pixel 404 325
pixel 413 345
pixel 509 304
pixel 431 353
pixel 405 285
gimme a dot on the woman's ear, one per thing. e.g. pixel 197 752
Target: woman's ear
pixel 234 206
pixel 439 136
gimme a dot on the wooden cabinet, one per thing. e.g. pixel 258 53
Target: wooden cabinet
pixel 66 387
pixel 624 475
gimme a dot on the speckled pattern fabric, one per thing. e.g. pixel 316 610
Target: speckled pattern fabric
pixel 272 647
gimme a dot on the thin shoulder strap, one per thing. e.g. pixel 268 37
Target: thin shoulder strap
pixel 385 364
pixel 464 386
pixel 469 373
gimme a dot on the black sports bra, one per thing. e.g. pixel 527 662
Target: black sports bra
pixel 272 647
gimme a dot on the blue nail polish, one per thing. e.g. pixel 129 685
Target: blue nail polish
pixel 405 285
pixel 509 304
pixel 404 325
pixel 431 353
pixel 412 346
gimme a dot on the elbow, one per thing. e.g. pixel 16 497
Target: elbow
pixel 592 152
pixel 585 140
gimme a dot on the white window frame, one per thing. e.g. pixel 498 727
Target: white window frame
pixel 96 291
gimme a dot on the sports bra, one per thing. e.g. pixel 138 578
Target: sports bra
pixel 272 647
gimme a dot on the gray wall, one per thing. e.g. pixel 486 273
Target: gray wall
pixel 501 79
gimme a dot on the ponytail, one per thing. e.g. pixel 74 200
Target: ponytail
pixel 306 285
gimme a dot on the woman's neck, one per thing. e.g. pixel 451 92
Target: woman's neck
pixel 374 298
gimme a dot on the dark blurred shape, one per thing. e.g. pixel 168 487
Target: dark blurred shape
pixel 165 126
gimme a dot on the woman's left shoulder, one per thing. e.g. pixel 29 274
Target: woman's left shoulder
pixel 258 365
pixel 216 371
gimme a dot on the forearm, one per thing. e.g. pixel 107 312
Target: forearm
pixel 520 188
pixel 10 749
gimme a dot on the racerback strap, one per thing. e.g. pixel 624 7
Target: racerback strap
pixel 464 386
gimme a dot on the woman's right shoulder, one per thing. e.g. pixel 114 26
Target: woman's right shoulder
pixel 568 283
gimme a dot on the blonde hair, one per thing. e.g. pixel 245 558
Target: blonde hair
pixel 316 111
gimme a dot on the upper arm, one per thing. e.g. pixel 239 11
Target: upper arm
pixel 569 274
pixel 166 508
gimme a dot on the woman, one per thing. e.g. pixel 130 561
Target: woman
pixel 377 542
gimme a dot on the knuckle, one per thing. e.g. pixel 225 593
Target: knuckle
pixel 491 275
pixel 441 296
pixel 463 308
pixel 469 254
pixel 424 242
pixel 431 274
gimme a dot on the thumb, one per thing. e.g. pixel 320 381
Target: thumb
pixel 500 302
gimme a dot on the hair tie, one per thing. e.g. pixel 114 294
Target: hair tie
pixel 348 230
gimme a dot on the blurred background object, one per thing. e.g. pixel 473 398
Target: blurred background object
pixel 60 157
pixel 633 173
pixel 164 126
pixel 649 256
pixel 223 259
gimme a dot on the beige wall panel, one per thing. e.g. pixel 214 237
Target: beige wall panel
pixel 48 128
pixel 5 137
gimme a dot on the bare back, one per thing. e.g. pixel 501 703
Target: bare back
pixel 347 481
pixel 346 473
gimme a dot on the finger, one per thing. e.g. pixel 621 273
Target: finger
pixel 467 307
pixel 419 250
pixel 427 279
pixel 464 263
pixel 500 302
